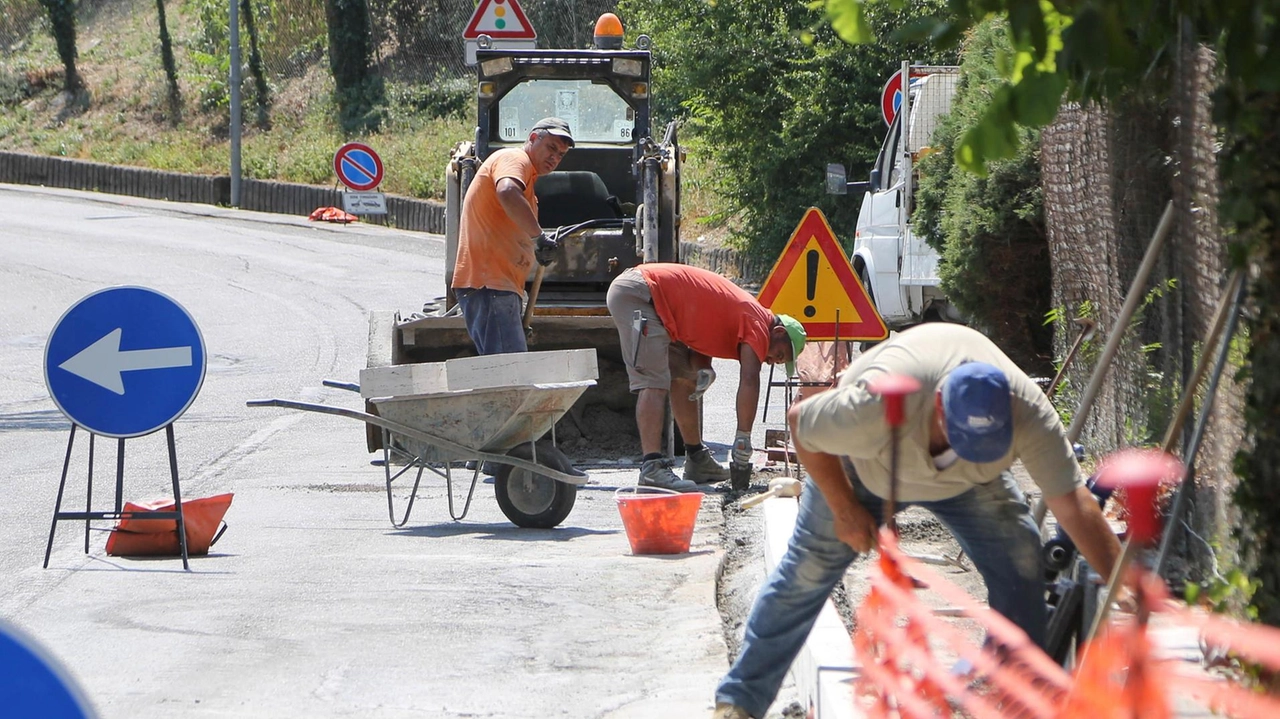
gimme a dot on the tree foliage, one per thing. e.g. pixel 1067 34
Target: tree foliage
pixel 772 96
pixel 989 230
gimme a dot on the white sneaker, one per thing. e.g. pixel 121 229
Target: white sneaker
pixel 658 473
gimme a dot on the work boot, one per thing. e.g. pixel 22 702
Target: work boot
pixel 730 711
pixel 657 473
pixel 700 467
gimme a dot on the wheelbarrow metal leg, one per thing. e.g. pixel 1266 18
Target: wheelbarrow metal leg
pixel 448 483
pixel 386 464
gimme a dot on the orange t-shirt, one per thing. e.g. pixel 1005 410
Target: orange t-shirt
pixel 493 251
pixel 706 312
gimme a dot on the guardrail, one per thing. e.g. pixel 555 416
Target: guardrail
pixel 258 195
pixel 286 198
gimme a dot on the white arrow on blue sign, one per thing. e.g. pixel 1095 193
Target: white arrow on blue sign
pixel 124 362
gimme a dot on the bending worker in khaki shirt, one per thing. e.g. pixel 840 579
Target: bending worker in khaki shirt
pixel 975 414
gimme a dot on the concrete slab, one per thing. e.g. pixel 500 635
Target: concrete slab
pixel 550 367
pixel 825 670
pixel 405 379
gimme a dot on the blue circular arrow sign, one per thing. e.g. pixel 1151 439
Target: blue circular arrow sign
pixel 124 361
pixel 33 684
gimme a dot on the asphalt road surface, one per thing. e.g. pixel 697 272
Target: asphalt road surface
pixel 311 605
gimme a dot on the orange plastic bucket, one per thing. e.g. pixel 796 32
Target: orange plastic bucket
pixel 658 521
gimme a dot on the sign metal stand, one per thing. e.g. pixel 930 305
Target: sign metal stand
pixel 123 362
pixel 88 515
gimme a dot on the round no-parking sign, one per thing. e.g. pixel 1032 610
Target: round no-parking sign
pixel 891 95
pixel 358 166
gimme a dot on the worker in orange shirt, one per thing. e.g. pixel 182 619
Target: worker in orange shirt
pixel 672 319
pixel 499 237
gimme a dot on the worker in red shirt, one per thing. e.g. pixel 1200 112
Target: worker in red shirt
pixel 672 319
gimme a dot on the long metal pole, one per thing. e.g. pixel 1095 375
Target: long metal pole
pixel 904 147
pixel 1231 299
pixel 1189 455
pixel 1121 323
pixel 234 21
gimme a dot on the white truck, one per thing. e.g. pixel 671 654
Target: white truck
pixel 896 266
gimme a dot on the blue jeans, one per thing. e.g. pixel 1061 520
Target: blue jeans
pixel 495 320
pixel 992 523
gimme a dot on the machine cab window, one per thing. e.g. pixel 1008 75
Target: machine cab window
pixel 595 113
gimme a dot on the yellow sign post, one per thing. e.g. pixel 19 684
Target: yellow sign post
pixel 813 281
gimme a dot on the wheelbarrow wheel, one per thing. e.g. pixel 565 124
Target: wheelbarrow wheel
pixel 531 500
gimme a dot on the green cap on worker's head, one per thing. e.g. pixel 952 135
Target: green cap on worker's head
pixel 795 331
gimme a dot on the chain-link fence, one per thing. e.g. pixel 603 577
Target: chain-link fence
pixel 414 41
pixel 1107 175
pixel 421 40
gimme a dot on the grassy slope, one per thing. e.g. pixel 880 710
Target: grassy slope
pixel 125 121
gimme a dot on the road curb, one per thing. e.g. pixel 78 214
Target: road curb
pixel 824 670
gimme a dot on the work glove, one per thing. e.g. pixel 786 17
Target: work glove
pixel 742 448
pixel 544 249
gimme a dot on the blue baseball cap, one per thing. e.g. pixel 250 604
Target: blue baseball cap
pixel 979 412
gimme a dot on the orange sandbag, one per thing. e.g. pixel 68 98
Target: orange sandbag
pixel 332 214
pixel 135 537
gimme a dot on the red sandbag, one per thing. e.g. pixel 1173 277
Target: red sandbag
pixel 332 214
pixel 135 537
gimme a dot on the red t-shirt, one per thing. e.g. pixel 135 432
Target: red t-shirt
pixel 707 312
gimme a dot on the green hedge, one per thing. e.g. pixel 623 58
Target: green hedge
pixel 990 230
pixel 771 95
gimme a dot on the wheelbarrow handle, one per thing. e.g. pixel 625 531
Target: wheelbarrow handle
pixel 431 439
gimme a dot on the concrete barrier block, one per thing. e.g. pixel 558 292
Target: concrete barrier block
pixel 403 380
pixel 522 368
pixel 285 198
pixel 222 190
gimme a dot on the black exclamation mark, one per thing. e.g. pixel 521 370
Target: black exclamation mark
pixel 811 281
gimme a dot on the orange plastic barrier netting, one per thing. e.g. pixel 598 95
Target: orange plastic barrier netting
pixel 1121 677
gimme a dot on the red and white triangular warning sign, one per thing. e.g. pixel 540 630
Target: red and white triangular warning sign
pixel 499 19
pixel 813 281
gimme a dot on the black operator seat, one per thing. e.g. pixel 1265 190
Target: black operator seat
pixel 569 197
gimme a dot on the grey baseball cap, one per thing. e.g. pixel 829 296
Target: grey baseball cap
pixel 554 126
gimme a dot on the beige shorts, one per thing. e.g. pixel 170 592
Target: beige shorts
pixel 651 357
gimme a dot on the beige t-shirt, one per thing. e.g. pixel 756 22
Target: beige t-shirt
pixel 849 421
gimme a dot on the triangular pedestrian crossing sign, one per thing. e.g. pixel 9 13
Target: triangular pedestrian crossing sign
pixel 499 19
pixel 813 282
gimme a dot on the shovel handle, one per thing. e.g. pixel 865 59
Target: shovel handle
pixel 533 297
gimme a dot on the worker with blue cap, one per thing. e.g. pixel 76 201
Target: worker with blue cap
pixel 976 413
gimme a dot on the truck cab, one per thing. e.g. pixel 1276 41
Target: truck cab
pixel 896 265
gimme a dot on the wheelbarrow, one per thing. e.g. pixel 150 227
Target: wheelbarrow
pixel 433 424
